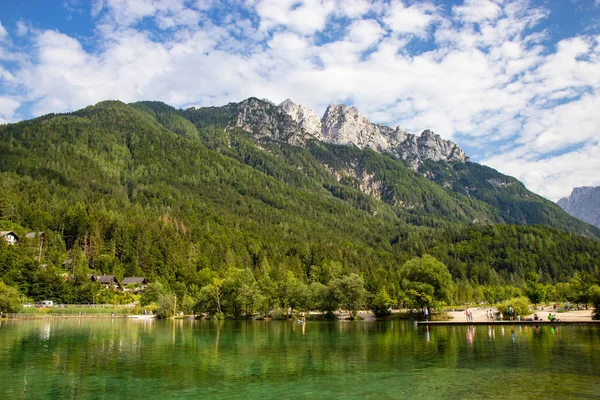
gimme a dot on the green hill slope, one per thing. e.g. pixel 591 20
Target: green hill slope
pixel 463 192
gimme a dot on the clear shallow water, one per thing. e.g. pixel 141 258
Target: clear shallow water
pixel 124 359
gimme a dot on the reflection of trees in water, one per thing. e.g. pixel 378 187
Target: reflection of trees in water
pixel 91 358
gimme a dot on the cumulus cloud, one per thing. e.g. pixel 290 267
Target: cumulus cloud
pixel 481 72
pixel 476 11
pixel 554 176
pixel 3 33
pixel 22 28
pixel 8 108
pixel 366 32
pixel 167 13
pixel 306 17
pixel 414 19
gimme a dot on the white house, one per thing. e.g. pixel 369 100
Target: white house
pixel 9 236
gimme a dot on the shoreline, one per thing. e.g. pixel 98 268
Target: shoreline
pixel 580 317
pixel 509 323
pixel 58 316
pixel 480 317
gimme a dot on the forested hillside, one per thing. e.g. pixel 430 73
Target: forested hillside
pixel 464 184
pixel 187 200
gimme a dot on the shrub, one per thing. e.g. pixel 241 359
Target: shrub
pixel 381 303
pixel 595 298
pixel 279 313
pixel 10 299
pixel 520 306
pixel 164 306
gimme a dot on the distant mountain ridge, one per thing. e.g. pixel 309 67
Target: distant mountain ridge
pixel 583 203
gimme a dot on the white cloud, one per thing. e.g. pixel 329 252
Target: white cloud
pixel 3 33
pixel 8 108
pixel 355 8
pixel 548 130
pixel 6 75
pixel 22 28
pixel 59 50
pixel 415 19
pixel 477 11
pixel 305 17
pixel 366 32
pixel 96 7
pixel 168 13
pixel 284 41
pixel 553 177
pixel 64 76
pixel 575 65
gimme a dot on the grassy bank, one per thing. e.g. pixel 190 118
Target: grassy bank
pixel 75 311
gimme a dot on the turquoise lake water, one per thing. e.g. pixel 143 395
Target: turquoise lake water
pixel 146 359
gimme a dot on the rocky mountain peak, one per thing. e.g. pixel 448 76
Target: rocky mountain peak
pixel 583 203
pixel 264 119
pixel 303 116
pixel 342 124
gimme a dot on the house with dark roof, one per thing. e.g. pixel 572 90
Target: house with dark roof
pixel 9 236
pixel 108 281
pixel 139 283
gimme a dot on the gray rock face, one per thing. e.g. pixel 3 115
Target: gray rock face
pixel 305 117
pixel 342 124
pixel 583 203
pixel 266 120
pixel 345 125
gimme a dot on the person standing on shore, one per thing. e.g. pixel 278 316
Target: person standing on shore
pixel 469 314
pixel 426 313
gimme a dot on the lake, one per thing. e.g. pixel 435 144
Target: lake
pixel 146 359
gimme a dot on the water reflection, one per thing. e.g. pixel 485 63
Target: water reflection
pixel 470 334
pixel 45 331
pixel 270 359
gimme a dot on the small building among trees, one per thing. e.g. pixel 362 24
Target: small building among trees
pixel 10 237
pixel 138 283
pixel 108 281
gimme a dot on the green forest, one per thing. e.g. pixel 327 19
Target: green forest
pixel 233 224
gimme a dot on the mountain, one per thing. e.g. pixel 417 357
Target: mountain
pixel 441 161
pixel 346 125
pixel 187 196
pixel 583 203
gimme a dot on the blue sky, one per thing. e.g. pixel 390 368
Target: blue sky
pixel 515 83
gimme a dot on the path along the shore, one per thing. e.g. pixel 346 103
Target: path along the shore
pixel 479 314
